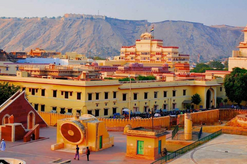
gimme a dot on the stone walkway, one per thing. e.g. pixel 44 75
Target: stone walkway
pixel 39 152
pixel 225 149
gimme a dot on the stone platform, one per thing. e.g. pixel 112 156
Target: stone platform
pixel 224 149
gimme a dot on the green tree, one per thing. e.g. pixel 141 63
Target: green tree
pixel 226 65
pixel 126 79
pixel 236 85
pixel 225 101
pixel 218 100
pixel 98 58
pixel 145 77
pixel 200 68
pixel 6 91
pixel 216 65
pixel 196 99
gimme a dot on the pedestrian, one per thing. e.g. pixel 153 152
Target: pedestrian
pixel 77 152
pixel 87 153
pixel 165 151
pixel 3 145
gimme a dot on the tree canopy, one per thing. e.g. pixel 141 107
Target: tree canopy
pixel 145 77
pixel 98 58
pixel 196 99
pixel 212 65
pixel 6 91
pixel 236 85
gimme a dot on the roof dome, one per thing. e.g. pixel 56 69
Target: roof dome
pixel 146 35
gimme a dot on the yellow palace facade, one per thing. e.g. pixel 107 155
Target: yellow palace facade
pixel 104 98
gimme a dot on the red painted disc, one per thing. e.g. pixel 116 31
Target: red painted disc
pixel 71 133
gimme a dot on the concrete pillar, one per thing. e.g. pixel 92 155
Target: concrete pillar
pixel 187 127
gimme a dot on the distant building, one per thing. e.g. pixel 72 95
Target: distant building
pixel 42 53
pixel 239 57
pixel 148 50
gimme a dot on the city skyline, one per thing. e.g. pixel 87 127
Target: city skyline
pixel 206 12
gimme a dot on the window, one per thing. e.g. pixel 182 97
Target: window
pixel 78 95
pixel 70 93
pixel 124 96
pixel 173 93
pixel 97 96
pixel 43 92
pixel 184 92
pixel 33 91
pixel 146 95
pixel 164 106
pixel 36 106
pixel 114 110
pixel 114 95
pixel 173 105
pixel 42 108
pixel 54 93
pixel 165 93
pixel 96 112
pixel 54 108
pixel 220 89
pixel 7 68
pixel 155 94
pixel 62 110
pixel 24 88
pixel 135 96
pixel 145 109
pixel 105 112
pixel 89 112
pixel 78 111
pixel 66 94
pixel 70 110
pixel 89 96
pixel 106 95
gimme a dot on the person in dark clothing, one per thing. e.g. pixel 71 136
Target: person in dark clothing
pixel 77 152
pixel 87 153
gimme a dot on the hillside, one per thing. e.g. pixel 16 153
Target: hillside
pixel 103 36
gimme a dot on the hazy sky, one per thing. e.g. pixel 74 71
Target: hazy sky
pixel 208 12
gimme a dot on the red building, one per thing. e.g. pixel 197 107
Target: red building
pixel 18 117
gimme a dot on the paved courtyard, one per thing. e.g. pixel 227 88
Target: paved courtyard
pixel 225 149
pixel 39 152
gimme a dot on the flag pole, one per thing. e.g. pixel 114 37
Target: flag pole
pixel 153 29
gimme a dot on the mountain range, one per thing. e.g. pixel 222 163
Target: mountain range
pixel 103 36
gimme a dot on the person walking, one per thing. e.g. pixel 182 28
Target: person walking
pixel 87 153
pixel 3 145
pixel 77 152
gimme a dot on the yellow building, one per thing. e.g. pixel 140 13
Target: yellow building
pixel 84 131
pixel 239 57
pixel 104 98
pixel 145 143
pixel 75 56
pixel 150 51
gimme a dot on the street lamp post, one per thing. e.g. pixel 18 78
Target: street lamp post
pixel 152 120
pixel 129 97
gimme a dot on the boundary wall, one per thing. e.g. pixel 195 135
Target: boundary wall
pixel 228 114
pixel 204 117
pixel 119 124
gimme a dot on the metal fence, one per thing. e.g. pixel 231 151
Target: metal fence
pixel 187 148
pixel 200 133
pixel 175 130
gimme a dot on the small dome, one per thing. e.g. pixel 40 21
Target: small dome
pixel 94 64
pixel 146 35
